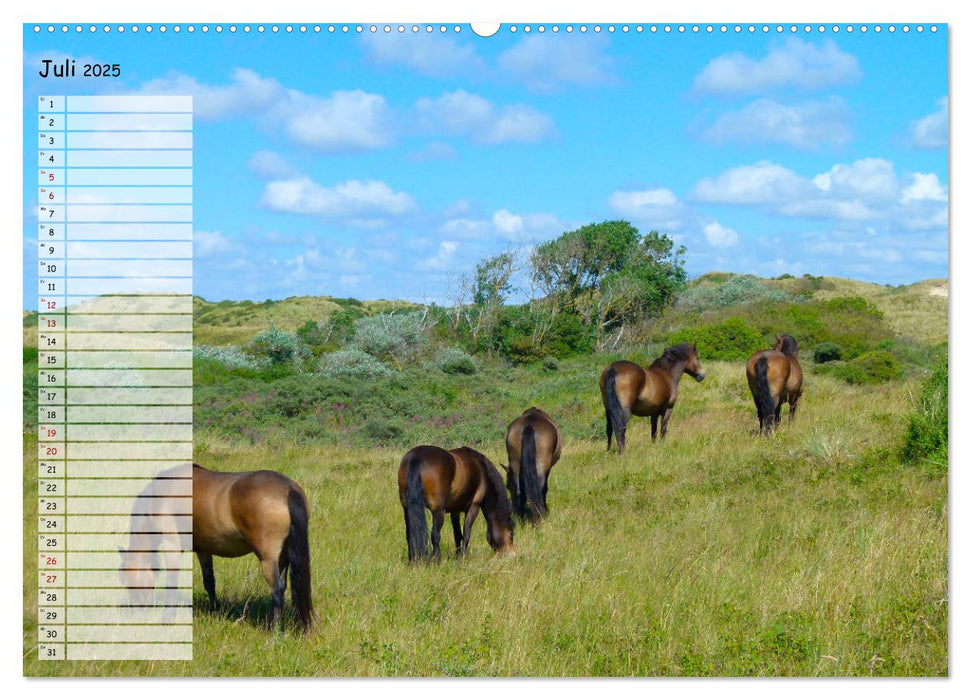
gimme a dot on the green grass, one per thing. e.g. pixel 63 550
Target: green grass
pixel 815 553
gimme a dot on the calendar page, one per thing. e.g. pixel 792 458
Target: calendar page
pixel 495 350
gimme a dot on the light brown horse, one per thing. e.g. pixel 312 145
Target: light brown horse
pixel 775 377
pixel 455 482
pixel 533 444
pixel 628 388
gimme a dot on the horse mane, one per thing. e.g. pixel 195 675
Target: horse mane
pixel 787 345
pixel 673 355
pixel 503 506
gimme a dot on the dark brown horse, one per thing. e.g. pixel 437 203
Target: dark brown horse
pixel 455 482
pixel 628 389
pixel 533 444
pixel 775 377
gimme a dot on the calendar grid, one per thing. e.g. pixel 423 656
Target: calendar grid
pixel 115 379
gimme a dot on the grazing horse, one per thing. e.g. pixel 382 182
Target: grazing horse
pixel 628 389
pixel 775 377
pixel 533 444
pixel 454 482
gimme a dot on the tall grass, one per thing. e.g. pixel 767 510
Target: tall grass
pixel 717 553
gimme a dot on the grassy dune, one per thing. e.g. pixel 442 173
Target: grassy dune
pixel 814 553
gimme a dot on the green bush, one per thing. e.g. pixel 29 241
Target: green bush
pixel 311 334
pixel 926 439
pixel 742 289
pixel 277 345
pixel 393 337
pixel 873 367
pixel 454 361
pixel 827 352
pixel 353 363
pixel 229 356
pixel 732 339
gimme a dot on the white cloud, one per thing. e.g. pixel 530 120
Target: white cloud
pixel 470 115
pixel 931 131
pixel 443 259
pixel 431 55
pixel 720 236
pixel 208 243
pixel 347 120
pixel 270 164
pixel 808 125
pixel 793 64
pixel 545 63
pixel 871 179
pixel 247 93
pixel 924 187
pixel 507 222
pixel 762 183
pixel 864 190
pixel 360 201
pixel 655 208
pixel 344 121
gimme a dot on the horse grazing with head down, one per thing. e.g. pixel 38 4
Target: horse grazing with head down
pixel 455 482
pixel 775 377
pixel 628 388
pixel 533 444
pixel 233 514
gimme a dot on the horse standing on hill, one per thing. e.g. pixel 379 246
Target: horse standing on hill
pixel 455 482
pixel 775 377
pixel 628 388
pixel 533 445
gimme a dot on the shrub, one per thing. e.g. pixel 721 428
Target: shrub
pixel 732 339
pixel 454 361
pixel 927 433
pixel 741 289
pixel 230 356
pixel 827 352
pixel 277 345
pixel 394 337
pixel 353 363
pixel 872 367
pixel 311 334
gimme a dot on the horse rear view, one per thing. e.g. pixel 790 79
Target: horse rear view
pixel 533 444
pixel 454 482
pixel 264 513
pixel 775 377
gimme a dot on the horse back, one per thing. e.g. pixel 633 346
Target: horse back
pixel 778 371
pixel 235 513
pixel 545 433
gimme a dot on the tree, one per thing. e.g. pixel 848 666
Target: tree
pixel 609 274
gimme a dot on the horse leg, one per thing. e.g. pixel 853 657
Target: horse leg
pixel 654 428
pixel 438 520
pixel 665 421
pixel 546 487
pixel 457 533
pixel 793 405
pixel 777 419
pixel 208 577
pixel 469 519
pixel 621 432
pixel 278 586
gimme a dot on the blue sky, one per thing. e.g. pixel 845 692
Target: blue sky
pixel 384 166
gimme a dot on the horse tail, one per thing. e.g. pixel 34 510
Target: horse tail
pixel 298 559
pixel 528 476
pixel 616 420
pixel 417 528
pixel 763 395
